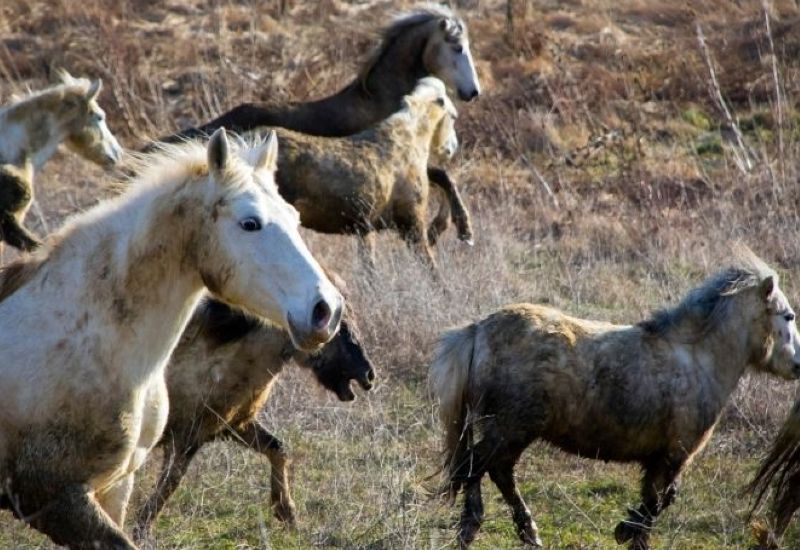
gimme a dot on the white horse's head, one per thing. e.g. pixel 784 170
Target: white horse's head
pixel 784 359
pixel 258 260
pixel 85 122
pixel 448 57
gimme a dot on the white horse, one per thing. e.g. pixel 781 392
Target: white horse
pixel 31 130
pixel 87 325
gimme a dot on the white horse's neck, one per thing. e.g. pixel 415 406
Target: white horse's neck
pixel 30 132
pixel 137 275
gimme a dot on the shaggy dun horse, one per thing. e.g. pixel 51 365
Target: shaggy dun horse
pixel 649 393
pixel 780 468
pixel 429 41
pixel 218 380
pixel 375 179
pixel 87 325
pixel 31 130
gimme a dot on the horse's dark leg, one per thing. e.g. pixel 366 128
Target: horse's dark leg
pixel 16 196
pixel 659 489
pixel 173 468
pixel 502 473
pixel 256 437
pixel 476 461
pixel 459 212
pixel 472 514
pixel 15 235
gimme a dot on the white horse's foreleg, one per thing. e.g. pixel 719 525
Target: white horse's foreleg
pixel 75 519
pixel 114 500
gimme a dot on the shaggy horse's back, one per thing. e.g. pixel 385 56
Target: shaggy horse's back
pixel 566 380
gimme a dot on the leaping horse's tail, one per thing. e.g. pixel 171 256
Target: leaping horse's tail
pixel 449 379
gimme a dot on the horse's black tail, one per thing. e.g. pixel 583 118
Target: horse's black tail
pixel 449 380
pixel 781 465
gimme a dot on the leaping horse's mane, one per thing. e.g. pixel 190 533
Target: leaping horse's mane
pixel 401 24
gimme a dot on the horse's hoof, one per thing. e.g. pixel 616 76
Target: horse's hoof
pixel 640 542
pixel 625 531
pixel 142 532
pixel 285 512
pixel 531 539
pixel 467 534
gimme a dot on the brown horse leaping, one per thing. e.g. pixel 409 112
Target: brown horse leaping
pixel 428 41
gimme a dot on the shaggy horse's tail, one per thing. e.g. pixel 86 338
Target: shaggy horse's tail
pixel 781 466
pixel 449 380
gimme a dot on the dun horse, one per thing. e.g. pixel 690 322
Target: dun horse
pixel 780 468
pixel 429 41
pixel 374 179
pixel 31 130
pixel 218 380
pixel 650 393
pixel 88 323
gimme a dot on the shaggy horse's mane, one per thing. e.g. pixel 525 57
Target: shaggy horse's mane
pixel 709 304
pixel 400 25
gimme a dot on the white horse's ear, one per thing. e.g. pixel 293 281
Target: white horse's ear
pixel 218 151
pixel 268 154
pixel 94 90
pixel 767 287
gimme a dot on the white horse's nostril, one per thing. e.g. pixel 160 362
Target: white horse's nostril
pixel 321 315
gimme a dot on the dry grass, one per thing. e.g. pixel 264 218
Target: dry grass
pixel 610 103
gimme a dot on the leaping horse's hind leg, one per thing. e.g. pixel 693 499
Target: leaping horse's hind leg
pixel 659 489
pixel 502 473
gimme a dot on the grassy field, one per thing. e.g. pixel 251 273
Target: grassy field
pixel 604 177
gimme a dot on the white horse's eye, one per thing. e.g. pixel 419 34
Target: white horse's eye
pixel 250 224
pixel 789 317
pixel 458 48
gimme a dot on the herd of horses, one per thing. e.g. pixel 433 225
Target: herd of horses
pixel 163 316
